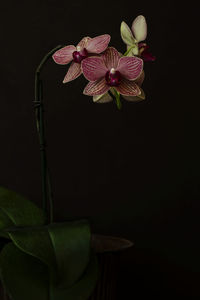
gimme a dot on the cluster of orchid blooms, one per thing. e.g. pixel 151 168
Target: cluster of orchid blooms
pixel 110 73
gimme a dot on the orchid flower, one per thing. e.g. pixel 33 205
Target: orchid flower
pixel 112 71
pixel 85 48
pixel 106 97
pixel 133 38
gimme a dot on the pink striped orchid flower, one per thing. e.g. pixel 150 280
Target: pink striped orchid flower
pixel 85 48
pixel 112 72
pixel 108 97
pixel 134 38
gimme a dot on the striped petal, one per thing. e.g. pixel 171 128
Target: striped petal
pixel 140 79
pixel 135 98
pixel 96 88
pixel 104 98
pixel 126 34
pixel 74 71
pixel 139 28
pixel 93 68
pixel 64 55
pixel 111 57
pixel 130 67
pixel 83 43
pixel 98 44
pixel 128 88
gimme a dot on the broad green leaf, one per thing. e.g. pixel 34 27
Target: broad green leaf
pixel 36 242
pixel 82 289
pixel 25 277
pixel 63 247
pixel 71 244
pixel 4 222
pixel 17 210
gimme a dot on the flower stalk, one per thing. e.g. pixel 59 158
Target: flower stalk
pixel 129 50
pixel 117 99
pixel 47 201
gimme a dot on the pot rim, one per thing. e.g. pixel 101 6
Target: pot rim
pixel 107 244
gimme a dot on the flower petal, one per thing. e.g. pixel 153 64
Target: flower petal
pixel 140 79
pixel 128 88
pixel 73 72
pixel 111 57
pixel 135 98
pixel 147 56
pixel 94 88
pixel 104 98
pixel 64 55
pixel 83 43
pixel 139 28
pixel 126 34
pixel 93 68
pixel 98 44
pixel 130 67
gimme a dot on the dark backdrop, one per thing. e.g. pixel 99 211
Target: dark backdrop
pixel 134 173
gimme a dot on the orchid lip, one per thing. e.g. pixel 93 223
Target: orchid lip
pixel 79 55
pixel 144 52
pixel 113 77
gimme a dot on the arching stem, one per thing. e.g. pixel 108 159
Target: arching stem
pixel 47 201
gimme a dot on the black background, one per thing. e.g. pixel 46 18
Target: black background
pixel 134 173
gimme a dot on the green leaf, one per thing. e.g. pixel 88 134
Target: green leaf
pixel 71 244
pixel 17 210
pixel 25 277
pixel 82 289
pixel 4 222
pixel 36 242
pixel 63 247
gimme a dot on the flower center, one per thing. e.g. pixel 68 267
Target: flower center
pixel 113 77
pixel 79 55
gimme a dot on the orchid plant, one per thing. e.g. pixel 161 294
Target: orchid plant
pixel 41 259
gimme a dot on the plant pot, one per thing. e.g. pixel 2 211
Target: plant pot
pixel 108 249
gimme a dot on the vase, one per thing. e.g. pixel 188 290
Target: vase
pixel 108 250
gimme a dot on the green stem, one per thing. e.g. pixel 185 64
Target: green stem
pixel 127 52
pixel 43 148
pixel 50 196
pixel 47 201
pixel 117 99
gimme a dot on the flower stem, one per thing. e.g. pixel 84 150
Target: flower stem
pixel 117 99
pixel 127 52
pixel 47 202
